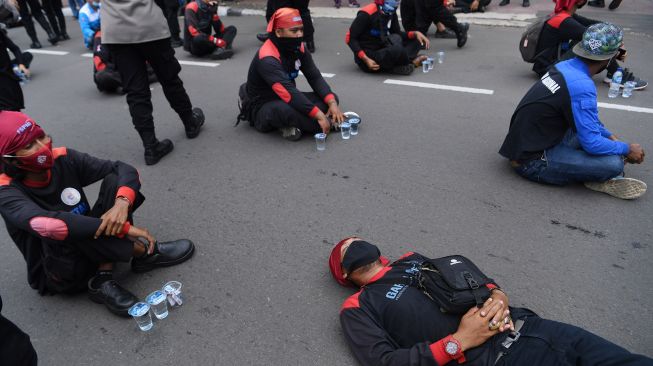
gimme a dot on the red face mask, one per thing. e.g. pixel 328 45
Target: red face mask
pixel 40 160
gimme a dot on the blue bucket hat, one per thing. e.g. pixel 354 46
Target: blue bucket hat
pixel 600 41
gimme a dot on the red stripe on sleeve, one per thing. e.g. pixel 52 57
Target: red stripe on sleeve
pixel 99 65
pixel 406 255
pixel 193 31
pixel 411 35
pixel 351 302
pixel 329 98
pixel 125 229
pixel 282 92
pixel 361 54
pixel 491 286
pixel 440 356
pixel 127 192
pixel 314 112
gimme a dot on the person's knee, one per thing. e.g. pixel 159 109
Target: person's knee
pixel 613 166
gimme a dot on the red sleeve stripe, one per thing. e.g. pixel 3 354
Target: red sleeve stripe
pixel 216 17
pixel 59 152
pixel 125 229
pixel 557 19
pixel 212 39
pixel 440 356
pixel 99 65
pixel 193 31
pixel 5 180
pixel 329 98
pixel 127 192
pixel 491 286
pixel 313 112
pixel 361 54
pixel 406 255
pixel 49 227
pixel 411 35
pixel 221 27
pixel 348 37
pixel 351 302
pixel 282 92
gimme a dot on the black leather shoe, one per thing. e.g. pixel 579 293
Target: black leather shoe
pixel 221 54
pixel 53 38
pixel 64 36
pixel 154 153
pixel 117 299
pixel 193 128
pixel 166 254
pixel 462 36
pixel 526 3
pixel 262 37
pixel 504 2
pixel 597 3
pixel 36 45
pixel 614 4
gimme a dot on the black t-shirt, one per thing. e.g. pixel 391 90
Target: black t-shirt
pixel 370 30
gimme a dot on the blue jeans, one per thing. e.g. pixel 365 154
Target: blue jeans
pixel 567 162
pixel 74 6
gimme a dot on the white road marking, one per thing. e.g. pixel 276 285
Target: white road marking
pixel 199 63
pixel 48 52
pixel 324 74
pixel 87 54
pixel 626 107
pixel 461 89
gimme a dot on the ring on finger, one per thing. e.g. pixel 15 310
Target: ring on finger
pixel 494 325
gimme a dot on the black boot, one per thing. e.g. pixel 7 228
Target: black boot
pixel 165 254
pixel 52 37
pixel 597 3
pixel 31 32
pixel 117 299
pixel 504 2
pixel 194 126
pixel 614 4
pixel 526 3
pixel 154 149
pixel 462 34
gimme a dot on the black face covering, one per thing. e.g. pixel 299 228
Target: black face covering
pixel 287 46
pixel 358 254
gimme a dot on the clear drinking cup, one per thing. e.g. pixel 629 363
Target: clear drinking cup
pixel 354 122
pixel 425 66
pixel 172 290
pixel 629 86
pixel 440 57
pixel 158 304
pixel 141 313
pixel 431 62
pixel 345 130
pixel 320 141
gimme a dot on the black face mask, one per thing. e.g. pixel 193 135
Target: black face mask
pixel 288 46
pixel 358 254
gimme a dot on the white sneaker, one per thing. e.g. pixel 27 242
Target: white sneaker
pixel 624 188
pixel 291 133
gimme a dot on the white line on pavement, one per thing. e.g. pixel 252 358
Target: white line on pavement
pixel 461 89
pixel 625 107
pixel 199 63
pixel 324 74
pixel 48 52
pixel 87 54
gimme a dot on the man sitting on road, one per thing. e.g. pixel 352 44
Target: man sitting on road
pixel 409 16
pixel 555 134
pixel 378 43
pixel 69 246
pixel 562 31
pixel 430 11
pixel 388 322
pixel 89 21
pixel 201 18
pixel 270 99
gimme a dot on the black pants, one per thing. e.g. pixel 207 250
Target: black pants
pixel 69 265
pixel 15 346
pixel 309 30
pixel 130 61
pixel 24 8
pixel 201 46
pixel 439 14
pixel 464 4
pixel 397 53
pixel 278 114
pixel 55 15
pixel 547 342
pixel 171 11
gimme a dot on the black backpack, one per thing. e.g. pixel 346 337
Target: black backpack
pixel 529 39
pixel 454 282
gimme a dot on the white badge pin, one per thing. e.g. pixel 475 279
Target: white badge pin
pixel 70 196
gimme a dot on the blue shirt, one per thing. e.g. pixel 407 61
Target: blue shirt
pixel 89 22
pixel 591 133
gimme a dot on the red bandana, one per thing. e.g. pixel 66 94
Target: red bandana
pixel 17 130
pixel 284 18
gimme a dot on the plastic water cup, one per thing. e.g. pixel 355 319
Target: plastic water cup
pixel 158 304
pixel 141 313
pixel 425 66
pixel 320 141
pixel 345 130
pixel 354 122
pixel 629 86
pixel 440 57
pixel 431 63
pixel 172 290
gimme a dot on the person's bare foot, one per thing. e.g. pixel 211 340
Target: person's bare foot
pixel 419 59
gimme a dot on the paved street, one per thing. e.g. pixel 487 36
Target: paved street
pixel 423 175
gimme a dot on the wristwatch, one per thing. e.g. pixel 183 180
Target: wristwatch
pixel 453 348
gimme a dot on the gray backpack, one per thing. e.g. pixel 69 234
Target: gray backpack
pixel 529 39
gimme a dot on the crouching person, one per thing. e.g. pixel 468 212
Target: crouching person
pixel 68 245
pixel 201 20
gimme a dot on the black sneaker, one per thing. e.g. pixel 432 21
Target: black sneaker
pixel 64 36
pixel 154 153
pixel 403 69
pixel 504 2
pixel 176 42
pixel 629 76
pixel 291 133
pixel 526 3
pixel 36 45
pixel 614 4
pixel 262 37
pixel 53 39
pixel 116 298
pixel 597 3
pixel 462 36
pixel 221 54
pixel 446 33
pixel 165 254
pixel 193 128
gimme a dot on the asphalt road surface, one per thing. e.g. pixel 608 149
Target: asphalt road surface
pixel 423 175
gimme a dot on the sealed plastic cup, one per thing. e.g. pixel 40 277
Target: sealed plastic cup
pixel 172 290
pixel 431 62
pixel 158 304
pixel 320 141
pixel 345 130
pixel 354 122
pixel 629 86
pixel 425 66
pixel 141 313
pixel 440 57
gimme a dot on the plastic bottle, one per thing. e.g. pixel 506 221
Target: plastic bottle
pixel 21 75
pixel 615 84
